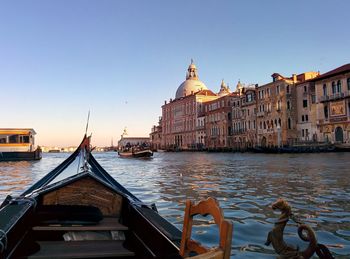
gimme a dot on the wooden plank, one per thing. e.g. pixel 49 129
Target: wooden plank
pixel 104 225
pixel 81 249
pixel 86 191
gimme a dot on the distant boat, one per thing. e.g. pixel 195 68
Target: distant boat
pixel 136 153
pixel 18 145
pixel 54 151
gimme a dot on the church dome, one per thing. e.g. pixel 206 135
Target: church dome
pixel 192 84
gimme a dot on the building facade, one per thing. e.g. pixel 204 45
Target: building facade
pixel 333 105
pixel 156 136
pixel 304 109
pixel 181 116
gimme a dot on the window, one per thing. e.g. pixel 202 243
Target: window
pixel 333 87
pixel 339 86
pixel 305 89
pixel 302 118
pixel 278 105
pixel 313 98
pixel 304 103
pixel 279 122
pixel 288 105
pixel 249 98
pixel 348 82
pixel 324 90
pixel 302 133
pixel 325 110
pixel 277 89
pixel 289 123
pixel 287 89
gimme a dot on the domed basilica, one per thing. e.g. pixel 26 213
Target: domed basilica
pixel 192 84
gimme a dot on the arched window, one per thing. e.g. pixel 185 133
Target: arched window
pixel 289 123
pixel 279 122
pixel 339 86
pixel 333 87
pixel 325 109
pixel 264 125
pixel 324 90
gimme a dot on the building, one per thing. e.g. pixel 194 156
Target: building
pixel 306 112
pixel 333 105
pixel 248 134
pixel 156 136
pixel 218 120
pixel 277 110
pixel 182 117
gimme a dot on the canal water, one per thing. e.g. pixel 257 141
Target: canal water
pixel 316 185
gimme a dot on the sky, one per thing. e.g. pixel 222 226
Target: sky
pixel 122 59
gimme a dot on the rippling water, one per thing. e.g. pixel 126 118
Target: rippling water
pixel 316 185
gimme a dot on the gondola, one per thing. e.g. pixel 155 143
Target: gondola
pixel 79 211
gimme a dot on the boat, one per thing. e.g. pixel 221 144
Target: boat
pixel 17 144
pixel 135 152
pixel 78 210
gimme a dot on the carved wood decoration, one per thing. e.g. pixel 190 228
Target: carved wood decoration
pixel 204 208
pixel 86 191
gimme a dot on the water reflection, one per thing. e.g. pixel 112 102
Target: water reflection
pixel 316 185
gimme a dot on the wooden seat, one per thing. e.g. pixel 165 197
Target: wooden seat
pixel 106 224
pixel 209 206
pixel 81 249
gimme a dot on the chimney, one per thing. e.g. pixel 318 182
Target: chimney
pixel 294 78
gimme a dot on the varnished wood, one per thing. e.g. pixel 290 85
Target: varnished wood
pixel 204 208
pixel 81 249
pixel 86 191
pixel 107 224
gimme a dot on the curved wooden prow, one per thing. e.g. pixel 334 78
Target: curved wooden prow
pixel 85 144
pixel 205 207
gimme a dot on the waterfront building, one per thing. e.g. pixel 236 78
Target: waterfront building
pixel 248 113
pixel 218 120
pixel 181 116
pixel 333 105
pixel 156 136
pixel 306 111
pixel 277 110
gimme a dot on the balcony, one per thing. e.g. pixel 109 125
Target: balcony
pixel 327 98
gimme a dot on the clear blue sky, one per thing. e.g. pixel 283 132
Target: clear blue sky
pixel 122 59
